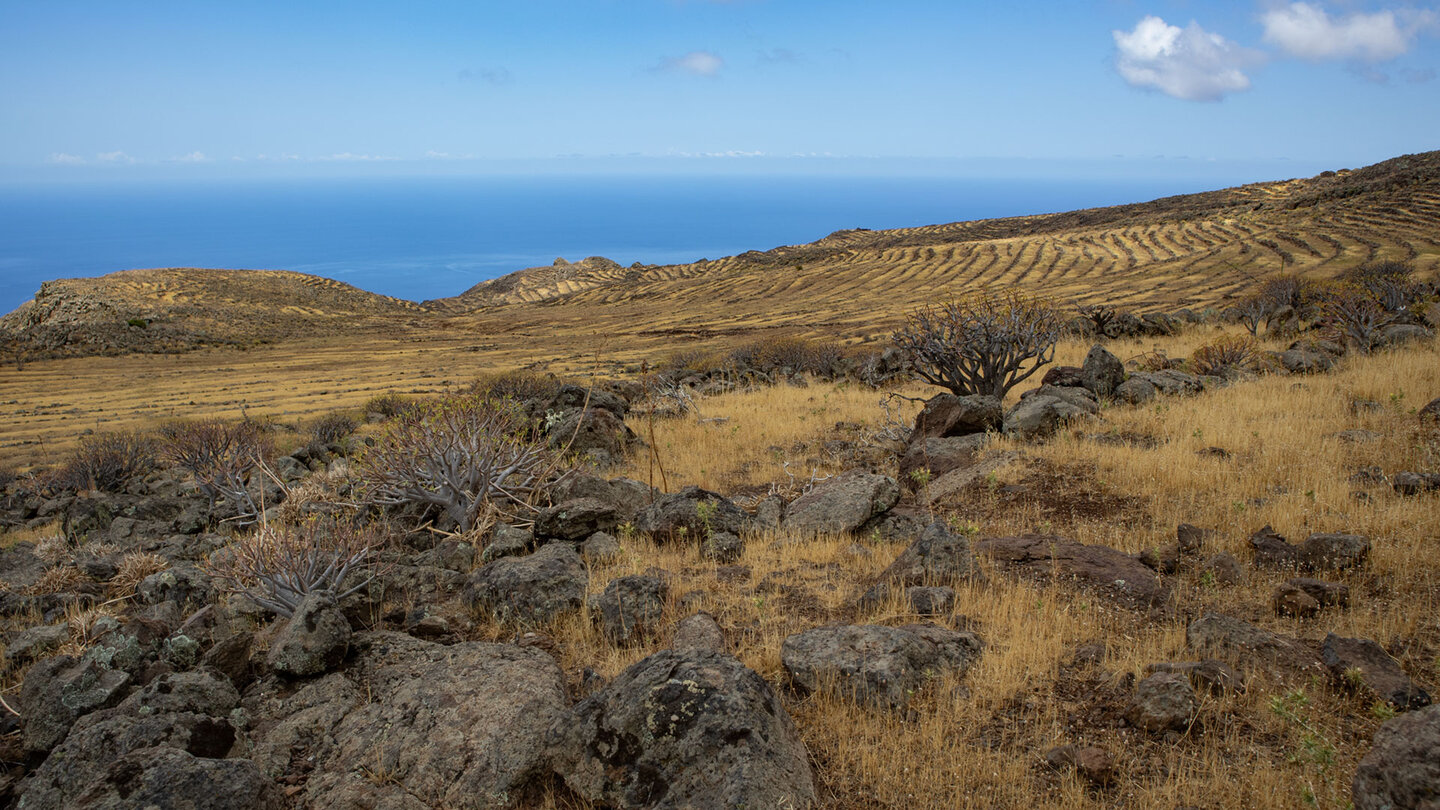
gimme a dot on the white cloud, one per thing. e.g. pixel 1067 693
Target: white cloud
pixel 114 157
pixel 63 159
pixel 350 156
pixel 193 157
pixel 1307 31
pixel 1189 63
pixel 696 63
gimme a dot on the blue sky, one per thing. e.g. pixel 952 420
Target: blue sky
pixel 194 88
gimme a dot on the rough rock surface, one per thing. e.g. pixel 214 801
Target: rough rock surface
pixel 874 664
pixel 684 729
pixel 1402 768
pixel 535 589
pixel 1333 552
pixel 841 504
pixel 167 778
pixel 313 641
pixel 1112 573
pixel 698 632
pixel 949 415
pixel 678 516
pixel 576 519
pixel 61 689
pixel 1359 663
pixel 1164 701
pixel 630 608
pixel 937 557
pixel 1042 415
pixel 1251 646
pixel 939 456
pixel 461 726
pixel 1102 372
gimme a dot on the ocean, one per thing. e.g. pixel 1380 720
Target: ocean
pixel 430 237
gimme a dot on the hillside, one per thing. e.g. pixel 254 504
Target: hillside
pixel 178 309
pixel 1186 251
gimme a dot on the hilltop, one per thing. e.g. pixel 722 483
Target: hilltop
pixel 1193 251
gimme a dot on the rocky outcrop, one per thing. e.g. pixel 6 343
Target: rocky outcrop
pixel 1109 572
pixel 875 664
pixel 841 504
pixel 533 589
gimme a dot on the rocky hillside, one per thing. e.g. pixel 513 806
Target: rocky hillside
pixel 177 309
pixel 540 284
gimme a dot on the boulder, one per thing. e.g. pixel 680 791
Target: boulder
pixel 34 643
pixel 1333 552
pixel 1164 701
pixel 722 547
pixel 681 516
pixel 1069 376
pixel 507 541
pixel 1431 411
pixel 1251 646
pixel 1363 665
pixel 698 632
pixel 950 415
pixel 627 497
pixel 1136 391
pixel 1290 600
pixel 167 778
pixel 1402 768
pixel 1414 483
pixel 59 690
pixel 1325 594
pixel 683 729
pixel 1093 763
pixel 936 600
pixel 1272 550
pixel 1102 372
pixel 600 547
pixel 873 664
pixel 1214 676
pixel 1112 573
pixel 841 504
pixel 571 396
pixel 532 589
pixel 1300 361
pixel 630 608
pixel 594 434
pixel 459 726
pixel 939 456
pixel 937 557
pixel 313 641
pixel 576 519
pixel 1400 333
pixel 1223 569
pixel 1173 382
pixel 1039 416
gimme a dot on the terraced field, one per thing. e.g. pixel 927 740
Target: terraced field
pixel 1192 251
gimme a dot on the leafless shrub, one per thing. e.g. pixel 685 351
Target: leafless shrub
pixel 133 569
pixel 668 397
pixel 1350 313
pixel 222 456
pixel 1253 309
pixel 461 455
pixel 287 563
pixel 332 427
pixel 388 405
pixel 818 357
pixel 1286 290
pixel 984 343
pixel 1099 316
pixel 106 462
pixel 1239 352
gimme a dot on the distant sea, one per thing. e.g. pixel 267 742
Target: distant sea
pixel 421 238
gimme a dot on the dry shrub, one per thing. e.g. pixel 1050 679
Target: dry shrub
pixel 221 455
pixel 461 456
pixel 53 549
pixel 133 570
pixel 320 493
pixel 984 343
pixel 7 477
pixel 1238 352
pixel 388 405
pixel 1286 290
pixel 106 462
pixel 332 427
pixel 519 384
pixel 1352 315
pixel 691 361
pixel 1391 284
pixel 798 354
pixel 64 579
pixel 287 563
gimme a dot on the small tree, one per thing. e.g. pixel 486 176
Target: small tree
pixel 984 343
pixel 462 455
pixel 1253 309
pixel 1353 315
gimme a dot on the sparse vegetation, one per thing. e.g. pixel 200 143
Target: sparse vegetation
pixel 222 456
pixel 1227 353
pixel 332 427
pixel 287 563
pixel 985 343
pixel 105 462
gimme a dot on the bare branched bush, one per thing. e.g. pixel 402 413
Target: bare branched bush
pixel 460 456
pixel 222 456
pixel 287 563
pixel 666 397
pixel 1099 316
pixel 985 343
pixel 106 462
pixel 1253 309
pixel 1286 290
pixel 519 385
pixel 133 569
pixel 388 405
pixel 1391 284
pixel 821 358
pixel 1350 314
pixel 332 427
pixel 1238 352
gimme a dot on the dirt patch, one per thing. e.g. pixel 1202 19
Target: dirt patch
pixel 1046 495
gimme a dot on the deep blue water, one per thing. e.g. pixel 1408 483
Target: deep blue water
pixel 420 238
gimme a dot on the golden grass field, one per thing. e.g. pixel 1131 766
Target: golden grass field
pixel 980 740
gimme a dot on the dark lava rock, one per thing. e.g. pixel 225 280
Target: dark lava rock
pixel 938 557
pixel 1251 646
pixel 630 608
pixel 534 589
pixel 950 415
pixel 680 516
pixel 841 504
pixel 1361 664
pixel 1402 769
pixel 1110 572
pixel 874 664
pixel 313 641
pixel 1164 701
